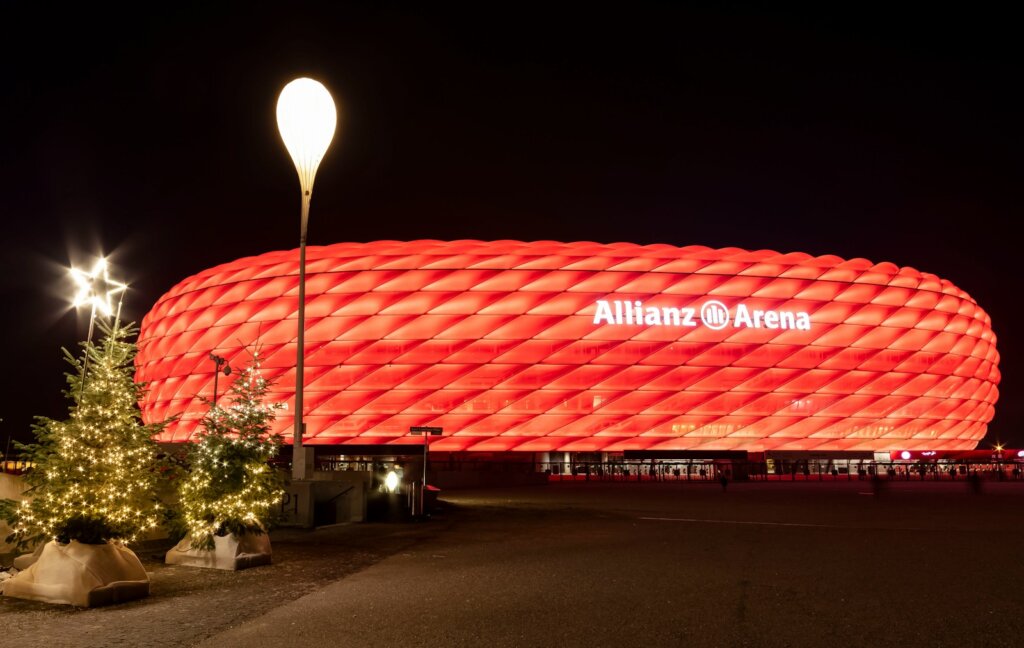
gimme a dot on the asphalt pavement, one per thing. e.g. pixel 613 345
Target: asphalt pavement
pixel 760 564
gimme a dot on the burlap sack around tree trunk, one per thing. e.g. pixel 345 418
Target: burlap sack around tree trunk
pixel 81 574
pixel 230 552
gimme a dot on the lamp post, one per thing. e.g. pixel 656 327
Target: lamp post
pixel 218 363
pixel 306 119
pixel 3 468
pixel 427 432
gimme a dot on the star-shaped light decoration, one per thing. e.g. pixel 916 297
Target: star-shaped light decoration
pixel 96 288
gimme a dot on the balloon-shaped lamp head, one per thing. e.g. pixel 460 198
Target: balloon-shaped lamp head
pixel 306 118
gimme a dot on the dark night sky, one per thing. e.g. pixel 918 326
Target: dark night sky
pixel 890 136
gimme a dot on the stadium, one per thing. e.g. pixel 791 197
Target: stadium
pixel 586 348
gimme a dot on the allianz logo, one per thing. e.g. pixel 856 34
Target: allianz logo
pixel 713 314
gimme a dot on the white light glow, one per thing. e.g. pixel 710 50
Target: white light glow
pixel 306 118
pixel 905 455
pixel 95 288
pixel 391 482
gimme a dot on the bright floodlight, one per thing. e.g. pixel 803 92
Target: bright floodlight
pixel 95 288
pixel 391 481
pixel 306 118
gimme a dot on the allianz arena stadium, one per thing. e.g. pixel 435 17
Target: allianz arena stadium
pixel 585 347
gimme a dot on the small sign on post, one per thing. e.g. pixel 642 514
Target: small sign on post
pixel 432 431
pixel 426 431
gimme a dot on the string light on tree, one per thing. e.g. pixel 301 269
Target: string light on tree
pixel 230 487
pixel 95 473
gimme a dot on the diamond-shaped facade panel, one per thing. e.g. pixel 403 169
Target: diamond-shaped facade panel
pixel 548 346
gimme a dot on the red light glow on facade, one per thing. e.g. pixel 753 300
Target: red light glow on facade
pixel 549 346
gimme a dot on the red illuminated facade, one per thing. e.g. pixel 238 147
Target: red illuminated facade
pixel 546 346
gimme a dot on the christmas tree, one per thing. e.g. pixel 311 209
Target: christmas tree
pixel 94 474
pixel 230 487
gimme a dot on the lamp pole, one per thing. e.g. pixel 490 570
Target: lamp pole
pixel 218 363
pixel 427 432
pixel 306 119
pixel 7 451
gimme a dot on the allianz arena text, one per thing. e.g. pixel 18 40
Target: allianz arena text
pixel 584 347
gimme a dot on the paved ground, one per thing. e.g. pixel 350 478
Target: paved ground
pixel 186 605
pixel 609 565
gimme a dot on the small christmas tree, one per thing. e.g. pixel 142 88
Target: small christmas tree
pixel 94 475
pixel 230 487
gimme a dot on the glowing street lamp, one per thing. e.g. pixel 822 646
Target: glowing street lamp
pixel 391 482
pixel 306 118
